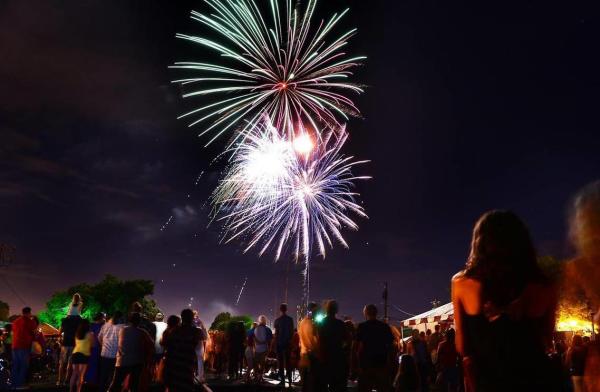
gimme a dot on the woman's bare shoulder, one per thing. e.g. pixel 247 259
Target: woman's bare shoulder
pixel 459 276
pixel 461 279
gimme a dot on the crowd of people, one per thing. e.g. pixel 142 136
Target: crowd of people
pixel 503 336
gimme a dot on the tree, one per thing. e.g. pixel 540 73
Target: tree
pixel 573 311
pixel 4 311
pixel 220 321
pixel 551 267
pixel 109 295
pixel 223 319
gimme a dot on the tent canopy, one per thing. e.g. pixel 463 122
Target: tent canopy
pixel 48 330
pixel 441 313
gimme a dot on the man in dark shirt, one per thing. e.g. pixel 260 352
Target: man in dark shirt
pixel 68 327
pixel 145 323
pixel 284 331
pixel 374 342
pixel 332 337
pixel 180 354
pixel 135 349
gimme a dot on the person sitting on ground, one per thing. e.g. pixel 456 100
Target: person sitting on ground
pixel 373 345
pixel 504 310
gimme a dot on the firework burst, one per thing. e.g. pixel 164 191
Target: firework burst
pixel 279 65
pixel 278 193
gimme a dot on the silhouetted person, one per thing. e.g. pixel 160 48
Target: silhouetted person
pixel 235 336
pixel 180 353
pixel 417 348
pixel 145 322
pixel 201 347
pixel 407 379
pixel 582 274
pixel 332 338
pixel 447 362
pixel 68 327
pixel 374 343
pixel 135 349
pixel 92 374
pixel 284 331
pixel 309 365
pixel 504 310
pixel 575 361
pixel 433 342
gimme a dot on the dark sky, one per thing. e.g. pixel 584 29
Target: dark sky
pixel 466 109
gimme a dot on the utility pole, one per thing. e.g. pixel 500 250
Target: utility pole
pixel 287 282
pixel 385 302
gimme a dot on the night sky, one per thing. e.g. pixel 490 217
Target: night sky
pixel 466 109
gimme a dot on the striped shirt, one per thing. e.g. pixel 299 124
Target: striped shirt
pixel 109 336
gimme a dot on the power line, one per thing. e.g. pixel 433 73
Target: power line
pixel 13 290
pixel 403 311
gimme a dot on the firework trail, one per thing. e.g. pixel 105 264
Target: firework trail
pixel 241 291
pixel 281 65
pixel 275 193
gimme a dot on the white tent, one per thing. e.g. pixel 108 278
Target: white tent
pixel 426 320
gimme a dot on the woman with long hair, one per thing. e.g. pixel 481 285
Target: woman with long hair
pixel 75 306
pixel 84 341
pixel 504 309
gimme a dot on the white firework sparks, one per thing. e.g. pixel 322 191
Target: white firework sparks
pixel 277 193
pixel 281 66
